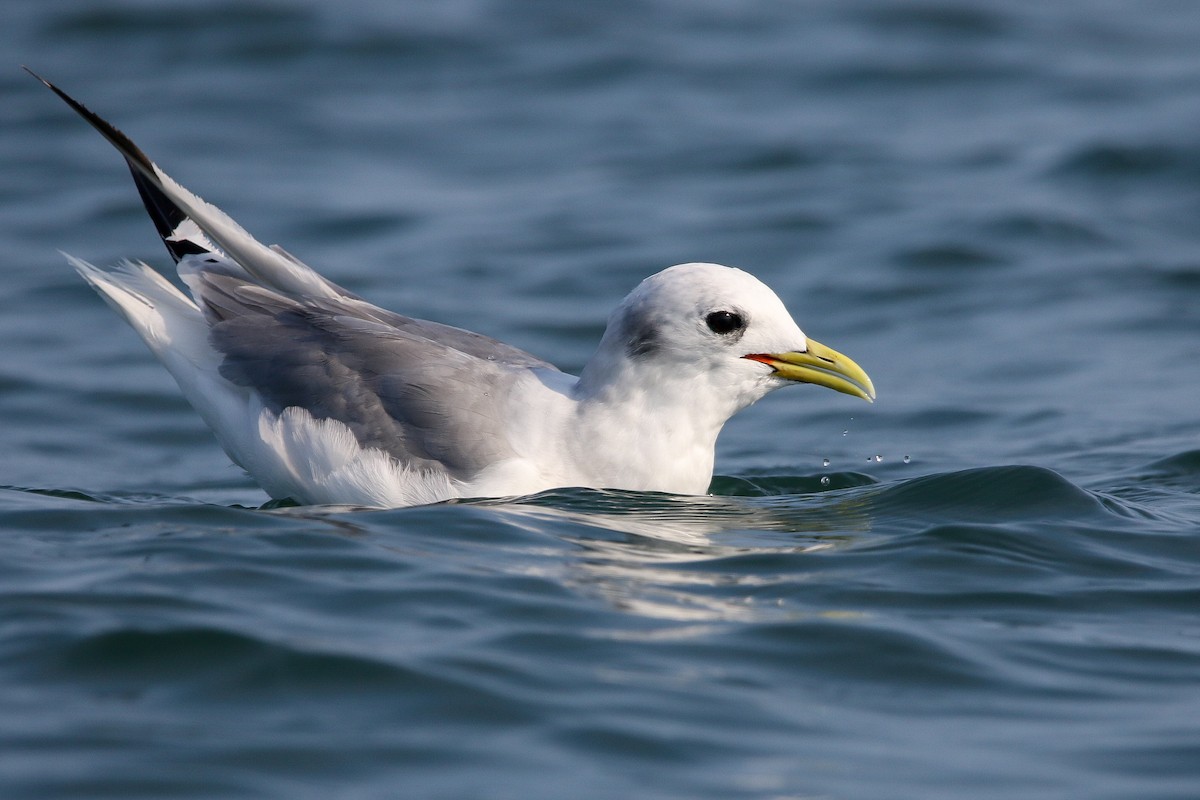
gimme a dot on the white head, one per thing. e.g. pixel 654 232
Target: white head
pixel 704 335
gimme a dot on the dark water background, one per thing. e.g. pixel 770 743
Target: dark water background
pixel 990 591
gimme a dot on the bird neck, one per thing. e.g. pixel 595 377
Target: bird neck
pixel 655 432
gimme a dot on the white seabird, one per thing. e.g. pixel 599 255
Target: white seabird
pixel 324 398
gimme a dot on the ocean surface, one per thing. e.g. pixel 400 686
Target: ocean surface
pixel 985 585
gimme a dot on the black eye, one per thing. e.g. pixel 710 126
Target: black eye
pixel 724 322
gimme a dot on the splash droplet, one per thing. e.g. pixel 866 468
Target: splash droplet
pixel 878 459
pixel 825 462
pixel 846 432
pixel 824 480
pixel 907 459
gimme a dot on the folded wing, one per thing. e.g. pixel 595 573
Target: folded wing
pixel 279 337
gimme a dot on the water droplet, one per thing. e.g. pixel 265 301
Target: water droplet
pixel 825 462
pixel 845 433
pixel 824 480
pixel 878 459
pixel 907 459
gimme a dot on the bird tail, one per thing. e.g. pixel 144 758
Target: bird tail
pixel 170 323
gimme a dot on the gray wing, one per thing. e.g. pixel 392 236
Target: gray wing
pixel 429 395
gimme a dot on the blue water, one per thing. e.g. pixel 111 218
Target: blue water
pixel 990 590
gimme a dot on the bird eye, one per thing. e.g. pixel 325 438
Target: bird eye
pixel 724 322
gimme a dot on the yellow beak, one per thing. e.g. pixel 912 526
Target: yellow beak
pixel 823 366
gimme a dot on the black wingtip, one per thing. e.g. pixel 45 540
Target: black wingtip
pixel 165 215
pixel 118 139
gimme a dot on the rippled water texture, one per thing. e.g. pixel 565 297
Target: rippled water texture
pixel 985 585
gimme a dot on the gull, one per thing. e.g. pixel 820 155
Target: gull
pixel 324 398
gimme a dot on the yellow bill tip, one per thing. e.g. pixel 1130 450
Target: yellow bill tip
pixel 822 366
